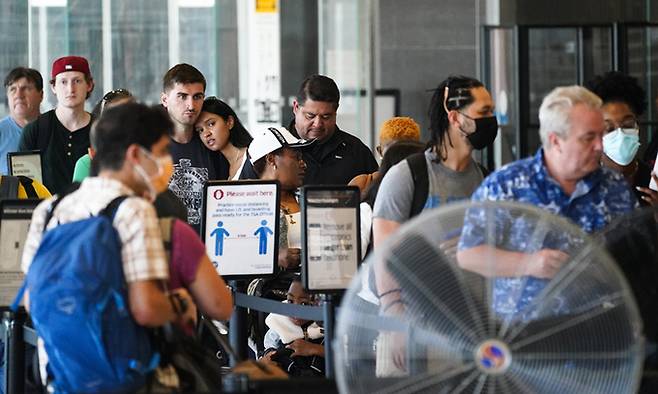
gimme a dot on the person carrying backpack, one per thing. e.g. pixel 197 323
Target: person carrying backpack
pixel 95 262
pixel 461 120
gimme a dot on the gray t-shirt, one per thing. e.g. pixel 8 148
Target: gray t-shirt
pixel 396 192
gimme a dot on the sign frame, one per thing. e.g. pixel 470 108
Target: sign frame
pixel 305 205
pixel 11 156
pixel 245 183
pixel 29 204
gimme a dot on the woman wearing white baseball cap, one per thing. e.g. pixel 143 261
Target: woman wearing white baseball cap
pixel 276 154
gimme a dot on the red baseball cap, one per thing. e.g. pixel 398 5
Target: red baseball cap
pixel 70 63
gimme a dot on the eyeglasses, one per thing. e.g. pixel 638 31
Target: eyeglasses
pixel 630 123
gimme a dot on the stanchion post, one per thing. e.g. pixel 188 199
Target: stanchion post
pixel 328 309
pixel 16 353
pixel 4 337
pixel 237 332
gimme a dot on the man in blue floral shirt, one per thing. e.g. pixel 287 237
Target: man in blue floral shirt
pixel 564 177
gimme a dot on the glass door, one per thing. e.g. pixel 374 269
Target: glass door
pixel 524 63
pixel 639 57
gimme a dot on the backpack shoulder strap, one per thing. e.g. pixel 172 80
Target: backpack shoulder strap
pixel 28 186
pixel 58 198
pixel 111 209
pixel 8 187
pixel 484 170
pixel 418 166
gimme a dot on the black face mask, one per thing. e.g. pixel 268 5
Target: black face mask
pixel 486 130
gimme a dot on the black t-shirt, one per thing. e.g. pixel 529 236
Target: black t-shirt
pixel 62 149
pixel 248 171
pixel 194 165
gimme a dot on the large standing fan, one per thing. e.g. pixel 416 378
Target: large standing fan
pixel 473 321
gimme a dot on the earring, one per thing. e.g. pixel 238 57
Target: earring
pixel 274 167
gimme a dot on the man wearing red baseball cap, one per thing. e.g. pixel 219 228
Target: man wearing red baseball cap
pixel 62 134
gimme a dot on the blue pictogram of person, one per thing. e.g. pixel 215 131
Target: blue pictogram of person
pixel 262 232
pixel 219 233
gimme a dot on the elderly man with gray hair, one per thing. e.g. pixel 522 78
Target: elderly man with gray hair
pixel 564 177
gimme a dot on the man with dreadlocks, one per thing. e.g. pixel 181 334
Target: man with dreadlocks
pixel 461 119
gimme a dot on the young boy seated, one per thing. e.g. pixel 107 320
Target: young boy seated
pixel 295 345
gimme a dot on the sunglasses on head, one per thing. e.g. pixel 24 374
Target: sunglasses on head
pixel 113 95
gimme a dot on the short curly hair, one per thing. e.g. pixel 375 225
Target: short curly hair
pixel 399 128
pixel 615 86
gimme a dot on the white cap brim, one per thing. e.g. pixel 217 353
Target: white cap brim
pixel 271 139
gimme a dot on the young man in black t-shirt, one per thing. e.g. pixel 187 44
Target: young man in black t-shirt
pixel 183 91
pixel 62 134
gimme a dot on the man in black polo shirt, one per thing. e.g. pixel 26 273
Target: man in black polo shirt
pixel 183 91
pixel 337 156
pixel 62 134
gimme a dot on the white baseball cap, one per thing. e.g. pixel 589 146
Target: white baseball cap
pixel 273 138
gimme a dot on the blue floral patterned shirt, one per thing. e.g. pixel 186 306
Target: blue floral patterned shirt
pixel 598 198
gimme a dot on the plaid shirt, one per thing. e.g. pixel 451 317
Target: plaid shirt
pixel 137 225
pixel 135 221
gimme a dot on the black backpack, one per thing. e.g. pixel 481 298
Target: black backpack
pixel 418 167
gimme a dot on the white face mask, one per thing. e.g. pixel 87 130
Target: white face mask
pixel 621 145
pixel 152 192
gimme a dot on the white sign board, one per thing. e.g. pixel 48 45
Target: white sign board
pixel 240 227
pixel 15 216
pixel 25 163
pixel 259 58
pixel 332 240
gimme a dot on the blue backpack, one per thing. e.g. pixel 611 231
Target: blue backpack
pixel 79 306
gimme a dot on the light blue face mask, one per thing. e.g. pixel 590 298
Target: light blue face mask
pixel 621 145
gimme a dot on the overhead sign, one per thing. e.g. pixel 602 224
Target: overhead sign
pixel 266 5
pixel 259 61
pixel 241 227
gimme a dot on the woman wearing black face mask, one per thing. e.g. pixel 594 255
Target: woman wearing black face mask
pixel 461 119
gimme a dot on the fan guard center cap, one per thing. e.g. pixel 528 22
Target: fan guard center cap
pixel 493 357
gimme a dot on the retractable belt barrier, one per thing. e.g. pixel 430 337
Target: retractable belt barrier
pixel 17 335
pixel 271 306
pixel 238 338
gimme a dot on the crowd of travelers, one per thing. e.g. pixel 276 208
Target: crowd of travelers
pixel 130 177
